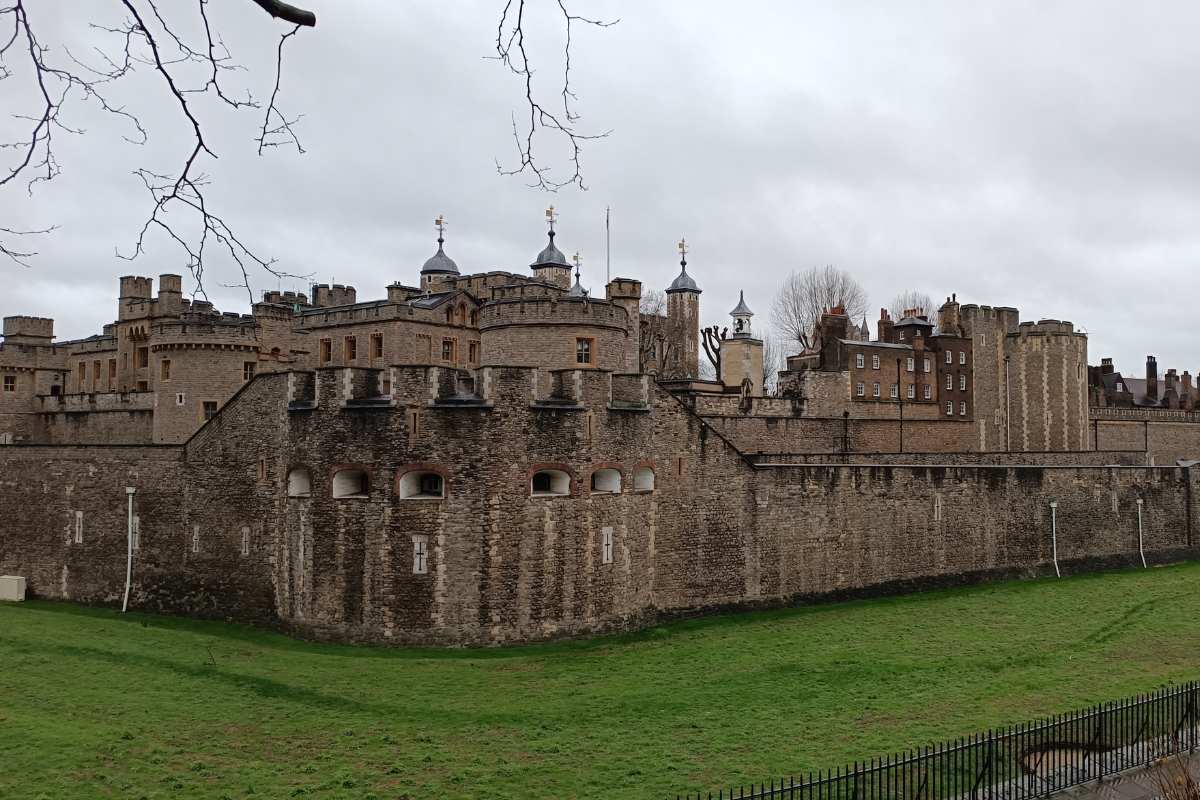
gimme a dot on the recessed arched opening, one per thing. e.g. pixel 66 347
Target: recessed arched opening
pixel 550 483
pixel 299 482
pixel 643 479
pixel 606 481
pixel 422 485
pixel 350 483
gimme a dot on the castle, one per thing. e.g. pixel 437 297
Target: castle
pixel 500 456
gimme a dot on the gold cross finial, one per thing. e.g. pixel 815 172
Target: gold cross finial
pixel 440 224
pixel 551 216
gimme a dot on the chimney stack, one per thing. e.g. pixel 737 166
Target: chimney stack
pixel 1152 378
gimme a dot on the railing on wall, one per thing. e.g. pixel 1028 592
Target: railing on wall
pixel 1022 762
pixel 1143 414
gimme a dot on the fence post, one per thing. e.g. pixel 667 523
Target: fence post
pixel 991 764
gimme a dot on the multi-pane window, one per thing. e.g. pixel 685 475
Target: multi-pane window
pixel 861 389
pixel 473 352
pixel 949 408
pixel 164 371
pixel 583 351
pixel 895 391
pixel 949 356
pixel 210 409
pixel 912 391
pixel 447 350
pixel 876 388
pixel 962 356
pixel 10 383
pixel 859 360
pixel 962 408
pixel 874 362
pixel 248 368
pixel 949 381
pixel 326 351
pixel 143 357
pixel 928 392
pixel 926 363
pixel 909 365
pixel 420 555
pixel 962 383
pixel 351 348
pixel 376 345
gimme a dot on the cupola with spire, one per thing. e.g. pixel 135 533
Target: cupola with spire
pixel 683 282
pixel 577 289
pixel 551 265
pixel 741 316
pixel 439 264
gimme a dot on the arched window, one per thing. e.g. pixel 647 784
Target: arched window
pixel 419 485
pixel 350 483
pixel 299 482
pixel 449 315
pixel 643 479
pixel 606 481
pixel 550 483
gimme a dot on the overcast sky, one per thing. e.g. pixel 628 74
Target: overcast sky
pixel 1038 155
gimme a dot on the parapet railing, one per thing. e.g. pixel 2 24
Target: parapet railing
pixel 1143 414
pixel 1020 762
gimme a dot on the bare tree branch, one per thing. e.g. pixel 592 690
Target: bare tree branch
pixel 512 53
pixel 296 16
pixel 20 255
pixel 804 296
pixel 911 300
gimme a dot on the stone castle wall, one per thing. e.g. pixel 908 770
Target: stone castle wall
pixel 220 536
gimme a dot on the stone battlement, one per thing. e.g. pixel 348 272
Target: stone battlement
pixel 27 328
pixel 557 311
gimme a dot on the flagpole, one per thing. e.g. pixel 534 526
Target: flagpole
pixel 607 249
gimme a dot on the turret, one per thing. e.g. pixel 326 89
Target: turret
pixel 439 266
pixel 551 265
pixel 683 322
pixel 741 353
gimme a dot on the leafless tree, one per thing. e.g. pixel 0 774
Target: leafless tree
pixel 181 45
pixel 804 296
pixel 655 346
pixel 774 359
pixel 911 299
pixel 512 52
pixel 711 339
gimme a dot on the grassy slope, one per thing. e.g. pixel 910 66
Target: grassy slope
pixel 96 705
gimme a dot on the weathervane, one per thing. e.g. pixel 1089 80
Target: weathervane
pixel 551 216
pixel 440 224
pixel 683 251
pixel 578 260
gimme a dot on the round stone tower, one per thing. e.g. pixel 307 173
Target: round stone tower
pixel 683 323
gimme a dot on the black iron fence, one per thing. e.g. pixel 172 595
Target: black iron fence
pixel 1024 761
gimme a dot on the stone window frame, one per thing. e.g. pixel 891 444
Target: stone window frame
pixel 860 360
pixel 962 382
pixel 949 356
pixel 350 348
pixel 453 357
pixel 421 467
pixel 164 370
pixel 928 392
pixel 141 357
pixel 912 391
pixel 639 470
pixel 112 374
pixel 926 360
pixel 875 389
pixel 874 361
pixel 572 485
pixel 96 375
pixel 10 383
pixel 245 540
pixel 606 544
pixel 377 345
pixel 589 343
pixel 962 408
pixel 962 357
pixel 910 364
pixel 288 484
pixel 249 370
pixel 949 382
pixel 895 391
pixel 325 351
pixel 602 466
pixel 420 553
pixel 860 390
pixel 203 406
pixel 949 408
pixel 336 469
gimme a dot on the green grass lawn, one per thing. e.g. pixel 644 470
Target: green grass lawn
pixel 93 704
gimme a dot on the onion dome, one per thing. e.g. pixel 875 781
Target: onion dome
pixel 683 282
pixel 439 262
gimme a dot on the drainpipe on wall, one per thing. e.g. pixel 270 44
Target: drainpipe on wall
pixel 129 492
pixel 1141 550
pixel 1054 535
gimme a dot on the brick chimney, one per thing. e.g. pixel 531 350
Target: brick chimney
pixel 1106 366
pixel 1152 378
pixel 1189 399
pixel 884 328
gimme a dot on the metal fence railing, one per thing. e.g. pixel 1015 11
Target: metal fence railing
pixel 1024 761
